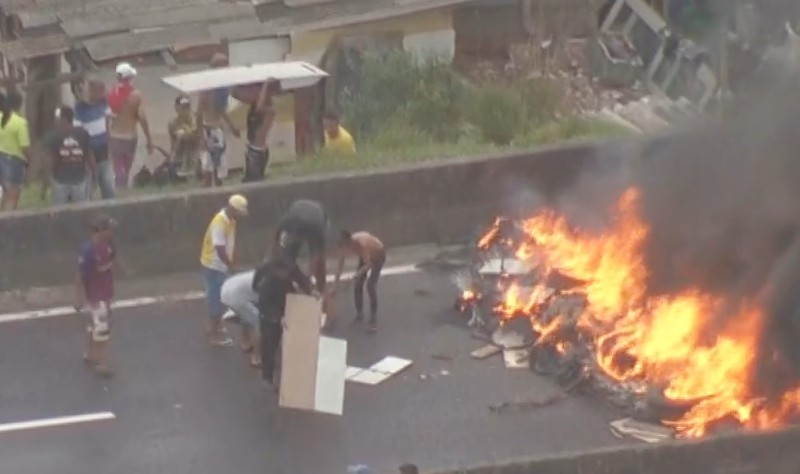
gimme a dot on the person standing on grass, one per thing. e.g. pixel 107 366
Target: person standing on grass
pixel 70 167
pixel 127 111
pixel 183 134
pixel 371 255
pixel 15 155
pixel 95 290
pixel 218 258
pixel 212 115
pixel 272 281
pixel 260 118
pixel 92 114
pixel 238 295
pixel 338 141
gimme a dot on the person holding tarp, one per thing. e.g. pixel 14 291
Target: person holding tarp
pixel 260 117
pixel 272 281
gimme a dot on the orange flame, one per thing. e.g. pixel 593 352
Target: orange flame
pixel 666 341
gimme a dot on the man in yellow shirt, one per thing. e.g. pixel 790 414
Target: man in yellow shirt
pixel 218 257
pixel 15 145
pixel 337 140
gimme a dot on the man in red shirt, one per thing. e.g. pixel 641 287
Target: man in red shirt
pixel 95 290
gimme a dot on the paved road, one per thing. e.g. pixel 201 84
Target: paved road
pixel 182 407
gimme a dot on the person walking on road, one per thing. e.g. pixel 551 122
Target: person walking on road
pixel 92 114
pixel 217 257
pixel 238 295
pixel 371 255
pixel 95 290
pixel 272 281
pixel 70 167
pixel 127 111
pixel 15 155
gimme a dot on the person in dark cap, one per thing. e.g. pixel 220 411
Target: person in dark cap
pixel 95 291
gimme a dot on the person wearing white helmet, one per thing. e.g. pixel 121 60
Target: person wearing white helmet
pixel 217 257
pixel 127 111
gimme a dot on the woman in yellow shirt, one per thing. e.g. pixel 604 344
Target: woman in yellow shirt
pixel 15 145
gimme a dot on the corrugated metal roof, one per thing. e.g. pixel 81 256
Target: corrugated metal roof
pixel 120 45
pixel 83 27
pixel 108 28
pixel 281 19
pixel 35 46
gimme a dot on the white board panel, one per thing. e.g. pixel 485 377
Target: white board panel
pixel 292 75
pixel 300 352
pixel 391 365
pixel 369 377
pixel 331 369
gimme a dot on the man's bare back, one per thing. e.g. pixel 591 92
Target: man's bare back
pixel 370 247
pixel 123 124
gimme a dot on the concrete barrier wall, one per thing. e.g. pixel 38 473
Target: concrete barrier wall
pixel 438 202
pixel 760 453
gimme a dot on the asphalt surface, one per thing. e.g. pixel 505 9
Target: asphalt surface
pixel 183 407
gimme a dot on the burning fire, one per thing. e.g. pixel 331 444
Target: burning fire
pixel 671 341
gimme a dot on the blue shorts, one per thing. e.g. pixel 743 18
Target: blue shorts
pixel 12 170
pixel 214 281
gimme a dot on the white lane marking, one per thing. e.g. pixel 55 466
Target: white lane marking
pixel 60 421
pixel 150 300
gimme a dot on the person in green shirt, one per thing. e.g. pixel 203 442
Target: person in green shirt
pixel 15 155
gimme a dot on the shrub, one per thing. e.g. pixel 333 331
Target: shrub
pixel 497 113
pixel 428 94
pixel 541 98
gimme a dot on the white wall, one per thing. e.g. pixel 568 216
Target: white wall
pixel 439 45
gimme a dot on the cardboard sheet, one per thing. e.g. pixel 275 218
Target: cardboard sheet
pixel 300 352
pixel 369 377
pixel 485 352
pixel 291 74
pixel 646 432
pixel 331 369
pixel 391 365
pixel 510 266
pixel 351 372
pixel 516 358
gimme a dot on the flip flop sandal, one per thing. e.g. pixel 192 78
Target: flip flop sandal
pixel 256 364
pixel 89 362
pixel 246 349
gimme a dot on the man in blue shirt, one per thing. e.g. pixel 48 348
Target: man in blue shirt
pixel 91 113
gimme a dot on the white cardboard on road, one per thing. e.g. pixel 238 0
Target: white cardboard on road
pixel 300 352
pixel 331 369
pixel 391 365
pixel 291 74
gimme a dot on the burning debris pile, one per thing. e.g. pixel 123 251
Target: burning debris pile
pixel 577 303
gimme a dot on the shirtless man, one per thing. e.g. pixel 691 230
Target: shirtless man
pixel 125 103
pixel 371 258
pixel 260 117
pixel 212 114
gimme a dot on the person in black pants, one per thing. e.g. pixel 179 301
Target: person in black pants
pixel 272 281
pixel 371 255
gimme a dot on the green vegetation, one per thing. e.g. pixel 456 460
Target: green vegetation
pixel 407 111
